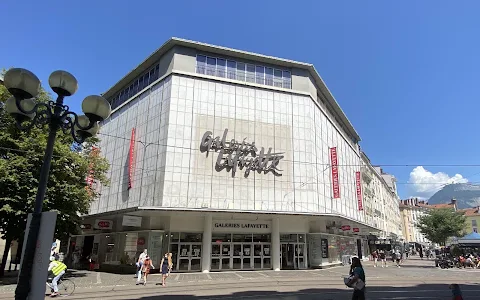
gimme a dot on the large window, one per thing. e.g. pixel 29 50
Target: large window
pixel 136 86
pixel 230 69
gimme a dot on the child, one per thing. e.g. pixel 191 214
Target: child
pixel 456 292
pixel 147 265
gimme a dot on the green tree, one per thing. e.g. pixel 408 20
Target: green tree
pixel 21 158
pixel 440 224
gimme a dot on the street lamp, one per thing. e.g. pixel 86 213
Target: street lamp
pixel 25 86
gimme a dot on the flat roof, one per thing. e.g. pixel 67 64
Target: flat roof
pixel 224 51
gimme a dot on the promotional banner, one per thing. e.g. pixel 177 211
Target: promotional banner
pixel 335 183
pixel 91 171
pixel 130 159
pixel 358 184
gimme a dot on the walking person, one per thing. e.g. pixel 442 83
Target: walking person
pixel 398 257
pixel 357 279
pixel 420 252
pixel 139 264
pixel 166 266
pixel 383 258
pixel 147 265
pixel 375 258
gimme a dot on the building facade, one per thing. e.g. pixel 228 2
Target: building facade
pixel 412 209
pixel 230 160
pixel 381 205
pixel 473 219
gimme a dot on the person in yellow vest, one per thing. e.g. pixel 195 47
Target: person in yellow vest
pixel 58 268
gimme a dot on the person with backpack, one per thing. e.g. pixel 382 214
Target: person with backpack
pixel 58 268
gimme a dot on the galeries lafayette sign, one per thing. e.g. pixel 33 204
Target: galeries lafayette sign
pixel 234 155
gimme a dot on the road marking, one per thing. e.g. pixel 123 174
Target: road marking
pixel 265 275
pixel 208 276
pixel 239 276
pixel 99 280
pixel 176 277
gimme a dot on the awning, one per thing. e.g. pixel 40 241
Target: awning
pixel 472 238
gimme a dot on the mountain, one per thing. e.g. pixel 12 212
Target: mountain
pixel 467 195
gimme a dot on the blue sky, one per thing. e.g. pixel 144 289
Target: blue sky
pixel 405 73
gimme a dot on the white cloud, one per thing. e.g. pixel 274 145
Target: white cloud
pixel 426 183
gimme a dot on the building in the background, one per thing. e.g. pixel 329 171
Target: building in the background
pixel 381 205
pixel 473 219
pixel 412 209
pixel 230 160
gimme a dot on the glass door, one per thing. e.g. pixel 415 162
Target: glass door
pixel 184 257
pixel 237 256
pixel 300 256
pixel 196 257
pixel 247 256
pixel 216 256
pixel 266 259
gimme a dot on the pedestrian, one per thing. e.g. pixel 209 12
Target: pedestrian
pixel 139 264
pixel 398 257
pixel 383 258
pixel 420 252
pixel 166 266
pixel 147 265
pixel 456 292
pixel 375 258
pixel 357 279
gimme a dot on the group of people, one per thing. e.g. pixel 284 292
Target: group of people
pixel 471 260
pixel 396 255
pixel 144 265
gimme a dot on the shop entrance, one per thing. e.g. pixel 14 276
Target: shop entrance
pixel 293 251
pixel 186 256
pixel 253 254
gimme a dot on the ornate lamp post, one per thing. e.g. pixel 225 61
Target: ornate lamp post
pixel 25 86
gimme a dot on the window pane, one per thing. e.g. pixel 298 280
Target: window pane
pixel 277 78
pixel 260 74
pixel 141 83
pixel 250 73
pixel 150 78
pixel 211 65
pixel 240 71
pixel 287 80
pixel 201 64
pixel 221 66
pixel 231 69
pixel 268 76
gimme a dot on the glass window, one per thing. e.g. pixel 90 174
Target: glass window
pixel 240 71
pixel 287 80
pixel 277 78
pixel 201 64
pixel 190 237
pixel 221 67
pixel 260 74
pixel 211 65
pixel 150 77
pixel 242 238
pixel 474 223
pixel 221 237
pixel 141 83
pixel 269 76
pixel 174 236
pixel 250 73
pixel 231 69
pixel 146 81
pixel 261 238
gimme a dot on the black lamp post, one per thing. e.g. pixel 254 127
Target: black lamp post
pixel 25 86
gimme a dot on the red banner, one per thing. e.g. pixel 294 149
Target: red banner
pixel 335 184
pixel 131 160
pixel 90 179
pixel 358 185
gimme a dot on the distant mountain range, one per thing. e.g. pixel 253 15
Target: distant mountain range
pixel 467 195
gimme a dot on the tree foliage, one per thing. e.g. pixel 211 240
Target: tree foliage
pixel 440 224
pixel 21 158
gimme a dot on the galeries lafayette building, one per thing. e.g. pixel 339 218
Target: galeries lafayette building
pixel 230 161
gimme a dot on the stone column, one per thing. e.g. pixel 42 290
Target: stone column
pixel 207 244
pixel 276 244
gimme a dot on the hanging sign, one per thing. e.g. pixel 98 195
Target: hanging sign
pixel 358 185
pixel 103 224
pixel 334 162
pixel 346 227
pixel 131 153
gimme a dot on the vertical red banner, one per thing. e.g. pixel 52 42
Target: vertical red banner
pixel 358 185
pixel 131 154
pixel 91 172
pixel 335 183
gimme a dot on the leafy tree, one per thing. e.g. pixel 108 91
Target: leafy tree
pixel 21 158
pixel 440 224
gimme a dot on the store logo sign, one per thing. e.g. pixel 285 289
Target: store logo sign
pixel 103 224
pixel 234 155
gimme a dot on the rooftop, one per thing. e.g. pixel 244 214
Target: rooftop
pixel 471 212
pixel 155 56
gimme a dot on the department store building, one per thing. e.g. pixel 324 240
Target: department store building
pixel 230 160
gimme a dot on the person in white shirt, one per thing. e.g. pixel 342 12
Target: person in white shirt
pixel 141 260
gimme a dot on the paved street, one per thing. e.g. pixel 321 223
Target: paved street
pixel 415 280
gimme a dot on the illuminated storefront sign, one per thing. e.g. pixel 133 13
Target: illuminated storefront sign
pixel 234 155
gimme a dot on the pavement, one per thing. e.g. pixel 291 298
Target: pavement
pixel 416 279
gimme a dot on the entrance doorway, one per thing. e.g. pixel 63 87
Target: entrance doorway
pixel 287 256
pixel 187 256
pixel 87 247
